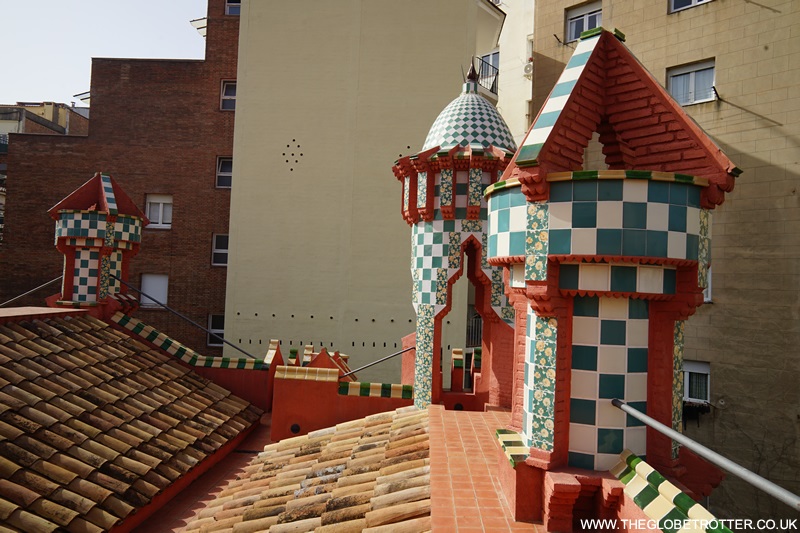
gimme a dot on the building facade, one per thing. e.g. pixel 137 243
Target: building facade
pixel 164 130
pixel 734 67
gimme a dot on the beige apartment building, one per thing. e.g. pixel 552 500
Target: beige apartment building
pixel 735 66
pixel 319 253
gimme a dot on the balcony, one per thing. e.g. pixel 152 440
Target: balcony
pixel 487 75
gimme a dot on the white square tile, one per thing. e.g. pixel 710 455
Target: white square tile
pixel 561 215
pixel 518 275
pixel 676 245
pixel 609 416
pixel 605 461
pixel 584 241
pixel 634 190
pixel 616 308
pixel 518 218
pixel 637 332
pixel 636 440
pixel 612 359
pixel 609 214
pixel 582 438
pixel 586 330
pixel 636 387
pixel 593 277
pixel 503 244
pixel 693 220
pixel 584 385
pixel 651 280
pixel 657 216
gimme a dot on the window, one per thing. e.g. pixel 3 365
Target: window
pixel 156 286
pixel 159 210
pixel 696 382
pixel 219 255
pixel 707 290
pixel 233 7
pixel 677 5
pixel 692 84
pixel 224 172
pixel 216 325
pixel 228 101
pixel 583 18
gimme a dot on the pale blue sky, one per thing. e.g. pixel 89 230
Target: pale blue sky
pixel 48 45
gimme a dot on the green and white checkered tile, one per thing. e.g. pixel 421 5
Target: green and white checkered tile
pixel 128 229
pixel 85 275
pixel 108 193
pixel 185 354
pixel 376 390
pixel 617 277
pixel 87 225
pixel 672 509
pixel 508 223
pixel 513 446
pixel 470 120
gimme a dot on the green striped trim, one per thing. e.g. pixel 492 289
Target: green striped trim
pixel 658 498
pixel 513 446
pixel 627 174
pixel 376 390
pixel 185 354
pixel 500 185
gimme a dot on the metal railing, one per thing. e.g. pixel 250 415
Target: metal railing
pixel 776 491
pixel 24 294
pixel 474 331
pixel 487 75
pixel 373 363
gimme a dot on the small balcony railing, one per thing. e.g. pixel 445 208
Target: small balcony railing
pixel 487 75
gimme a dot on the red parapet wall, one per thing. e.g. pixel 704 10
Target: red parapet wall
pixel 251 385
pixel 301 406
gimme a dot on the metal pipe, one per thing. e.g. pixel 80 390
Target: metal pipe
pixel 776 491
pixel 378 361
pixel 184 317
pixel 14 299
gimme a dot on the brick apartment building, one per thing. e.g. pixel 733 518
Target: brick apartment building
pixel 164 130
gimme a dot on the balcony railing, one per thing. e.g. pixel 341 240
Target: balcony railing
pixel 487 75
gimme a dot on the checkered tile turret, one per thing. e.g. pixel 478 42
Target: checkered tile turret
pixel 470 119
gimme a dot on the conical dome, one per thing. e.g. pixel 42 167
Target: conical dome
pixel 470 119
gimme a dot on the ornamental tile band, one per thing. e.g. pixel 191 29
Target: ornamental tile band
pixel 376 390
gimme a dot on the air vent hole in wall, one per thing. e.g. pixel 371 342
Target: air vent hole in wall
pixel 400 155
pixel 291 155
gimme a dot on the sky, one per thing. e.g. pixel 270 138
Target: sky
pixel 48 45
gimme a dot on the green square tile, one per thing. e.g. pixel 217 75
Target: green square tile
pixel 631 421
pixel 436 262
pixel 584 191
pixel 568 276
pixel 637 360
pixel 634 242
pixel 645 497
pixel 501 201
pixel 584 357
pixel 561 191
pixel 634 215
pixel 678 193
pixel 516 243
pixel 638 309
pixel 449 225
pixel 657 243
pixel 677 218
pixel 561 242
pixel 461 188
pixel 584 214
pixel 581 460
pixel 669 280
pixel 692 246
pixel 427 250
pixel 502 219
pixel 609 241
pixel 437 238
pixel 581 411
pixel 492 242
pixel 658 192
pixel 609 190
pixel 516 198
pixel 612 332
pixel 611 386
pixel 623 279
pixel 610 441
pixel 586 305
pixel 693 196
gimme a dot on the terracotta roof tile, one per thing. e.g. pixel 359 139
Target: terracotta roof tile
pixel 93 424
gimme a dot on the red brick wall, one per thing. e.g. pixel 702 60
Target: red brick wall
pixel 156 127
pixel 77 124
pixel 35 127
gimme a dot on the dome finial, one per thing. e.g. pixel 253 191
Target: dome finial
pixel 472 75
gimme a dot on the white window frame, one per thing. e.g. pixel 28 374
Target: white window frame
pixel 691 70
pixel 220 333
pixel 224 174
pixel 707 291
pixel 157 212
pixel 227 102
pixel 582 12
pixel 699 368
pixel 157 286
pixel 233 7
pixel 692 3
pixel 216 249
